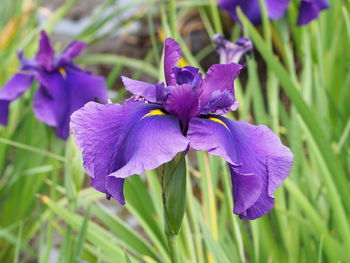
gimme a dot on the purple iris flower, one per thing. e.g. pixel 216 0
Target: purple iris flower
pixel 162 120
pixel 308 9
pixel 230 52
pixel 63 86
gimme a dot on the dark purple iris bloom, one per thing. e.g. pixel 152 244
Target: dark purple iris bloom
pixel 63 86
pixel 308 9
pixel 230 52
pixel 160 121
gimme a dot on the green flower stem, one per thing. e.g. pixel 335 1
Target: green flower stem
pixel 172 176
pixel 172 243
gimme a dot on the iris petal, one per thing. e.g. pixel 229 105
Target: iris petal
pixel 275 9
pixel 185 75
pixel 256 151
pixel 183 102
pixel 231 52
pixel 172 55
pixel 219 78
pixel 46 54
pixel 120 140
pixel 16 86
pixel 4 112
pixel 140 88
pixel 74 49
pixel 310 9
pixel 246 189
pixel 13 89
pixel 43 105
pixel 220 103
pixel 61 95
pixel 96 129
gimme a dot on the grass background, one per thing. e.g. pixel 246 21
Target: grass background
pixel 297 82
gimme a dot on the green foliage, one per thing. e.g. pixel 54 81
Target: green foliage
pixel 297 82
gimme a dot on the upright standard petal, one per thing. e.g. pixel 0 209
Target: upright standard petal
pixel 220 103
pixel 310 9
pixel 254 151
pixel 187 75
pixel 121 140
pixel 172 55
pixel 219 77
pixel 46 54
pixel 140 88
pixel 74 49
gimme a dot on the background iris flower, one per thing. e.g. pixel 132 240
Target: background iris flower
pixel 231 52
pixel 165 119
pixel 308 9
pixel 63 86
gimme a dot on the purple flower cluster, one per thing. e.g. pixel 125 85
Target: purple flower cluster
pixel 63 86
pixel 164 119
pixel 308 9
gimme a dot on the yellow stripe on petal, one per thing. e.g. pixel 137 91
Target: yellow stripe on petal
pixel 182 63
pixel 218 121
pixel 153 113
pixel 161 34
pixel 63 72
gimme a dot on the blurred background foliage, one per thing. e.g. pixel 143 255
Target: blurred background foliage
pixel 297 81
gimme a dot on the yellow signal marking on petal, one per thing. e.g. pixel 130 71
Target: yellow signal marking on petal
pixel 182 63
pixel 63 72
pixel 153 113
pixel 218 121
pixel 161 34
